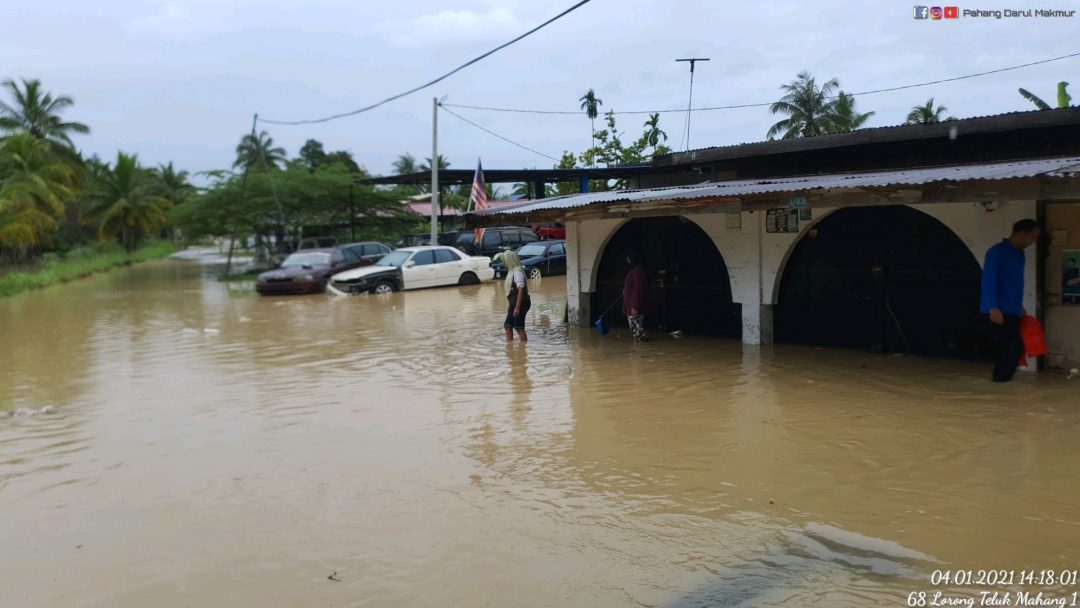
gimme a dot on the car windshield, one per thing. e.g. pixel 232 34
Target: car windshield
pixel 531 251
pixel 394 258
pixel 308 258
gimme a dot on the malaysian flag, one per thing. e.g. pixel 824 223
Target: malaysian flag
pixel 478 199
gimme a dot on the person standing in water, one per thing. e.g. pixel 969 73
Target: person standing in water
pixel 518 301
pixel 635 291
pixel 1003 296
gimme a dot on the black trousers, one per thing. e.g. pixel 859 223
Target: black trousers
pixel 1008 347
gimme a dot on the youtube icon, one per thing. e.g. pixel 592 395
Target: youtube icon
pixel 952 12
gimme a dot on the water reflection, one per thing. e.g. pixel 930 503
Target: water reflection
pixel 401 442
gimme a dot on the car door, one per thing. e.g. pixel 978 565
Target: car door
pixel 352 259
pixel 448 266
pixel 419 270
pixel 557 258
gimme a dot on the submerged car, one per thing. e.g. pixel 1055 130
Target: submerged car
pixel 308 270
pixel 539 258
pixel 413 268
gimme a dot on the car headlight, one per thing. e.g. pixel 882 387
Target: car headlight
pixel 305 278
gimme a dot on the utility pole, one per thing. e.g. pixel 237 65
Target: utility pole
pixel 352 215
pixel 690 104
pixel 240 205
pixel 434 170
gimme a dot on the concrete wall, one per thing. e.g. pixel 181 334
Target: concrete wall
pixel 756 259
pixel 1062 322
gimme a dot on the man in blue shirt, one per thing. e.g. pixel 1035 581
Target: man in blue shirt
pixel 1003 296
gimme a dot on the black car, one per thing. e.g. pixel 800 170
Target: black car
pixel 502 238
pixel 308 270
pixel 540 259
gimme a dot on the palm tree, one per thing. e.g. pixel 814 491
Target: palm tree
pixel 35 187
pixel 653 134
pixel 127 204
pixel 254 151
pixel 843 117
pixel 591 104
pixel 927 114
pixel 807 106
pixel 172 184
pixel 37 112
pixel 405 164
pixel 1063 97
pixel 426 167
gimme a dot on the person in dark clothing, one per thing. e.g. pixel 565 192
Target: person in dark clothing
pixel 1003 296
pixel 635 292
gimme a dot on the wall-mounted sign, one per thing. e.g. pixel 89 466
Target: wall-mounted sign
pixel 1070 277
pixel 805 215
pixel 797 202
pixel 782 220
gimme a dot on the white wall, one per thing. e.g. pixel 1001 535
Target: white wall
pixel 755 259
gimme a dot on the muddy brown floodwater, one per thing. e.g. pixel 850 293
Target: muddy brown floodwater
pixel 212 448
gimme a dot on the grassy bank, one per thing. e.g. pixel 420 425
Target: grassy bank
pixel 80 263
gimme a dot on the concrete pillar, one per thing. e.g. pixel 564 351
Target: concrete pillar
pixel 757 322
pixel 578 301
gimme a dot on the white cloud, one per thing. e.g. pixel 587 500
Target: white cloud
pixel 453 26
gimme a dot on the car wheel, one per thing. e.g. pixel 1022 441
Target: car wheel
pixel 468 278
pixel 383 288
pixel 535 272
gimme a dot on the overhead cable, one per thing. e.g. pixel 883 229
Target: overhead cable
pixel 490 132
pixel 768 103
pixel 430 83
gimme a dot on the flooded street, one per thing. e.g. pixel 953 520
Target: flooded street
pixel 209 447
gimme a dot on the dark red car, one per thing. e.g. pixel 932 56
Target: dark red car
pixel 308 270
pixel 551 231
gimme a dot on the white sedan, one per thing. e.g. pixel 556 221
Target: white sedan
pixel 413 268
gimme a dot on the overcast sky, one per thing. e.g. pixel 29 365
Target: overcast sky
pixel 180 79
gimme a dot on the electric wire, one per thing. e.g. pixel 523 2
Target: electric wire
pixel 430 83
pixel 769 103
pixel 490 132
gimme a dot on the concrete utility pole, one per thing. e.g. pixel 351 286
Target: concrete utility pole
pixel 690 104
pixel 435 171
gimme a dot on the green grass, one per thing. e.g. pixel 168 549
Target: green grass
pixel 80 263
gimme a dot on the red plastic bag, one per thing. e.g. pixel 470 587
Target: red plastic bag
pixel 1034 338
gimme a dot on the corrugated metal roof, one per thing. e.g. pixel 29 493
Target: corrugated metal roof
pixel 1052 167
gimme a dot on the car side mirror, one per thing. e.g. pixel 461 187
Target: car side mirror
pixel 410 264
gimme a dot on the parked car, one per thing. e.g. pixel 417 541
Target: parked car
pixel 540 259
pixel 413 268
pixel 308 270
pixel 497 239
pixel 321 242
pixel 551 231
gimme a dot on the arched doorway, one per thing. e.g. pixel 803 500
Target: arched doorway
pixel 687 276
pixel 885 279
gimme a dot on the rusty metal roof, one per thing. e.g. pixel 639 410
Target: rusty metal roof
pixel 1049 167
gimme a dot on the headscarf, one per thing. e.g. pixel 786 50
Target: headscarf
pixel 512 262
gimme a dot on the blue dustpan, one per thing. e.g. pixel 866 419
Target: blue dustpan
pixel 601 326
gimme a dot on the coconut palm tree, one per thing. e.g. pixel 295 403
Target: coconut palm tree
pixel 35 186
pixel 258 151
pixel 172 184
pixel 405 164
pixel 807 106
pixel 843 117
pixel 1063 97
pixel 126 203
pixel 591 104
pixel 37 112
pixel 927 114
pixel 443 164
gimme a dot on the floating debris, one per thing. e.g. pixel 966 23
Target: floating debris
pixel 26 412
pixel 676 334
pixel 211 331
pixel 333 577
pixel 1073 373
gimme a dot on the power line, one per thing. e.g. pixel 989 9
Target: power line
pixel 437 80
pixel 769 103
pixel 490 132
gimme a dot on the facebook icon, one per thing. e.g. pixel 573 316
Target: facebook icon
pixel 922 12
